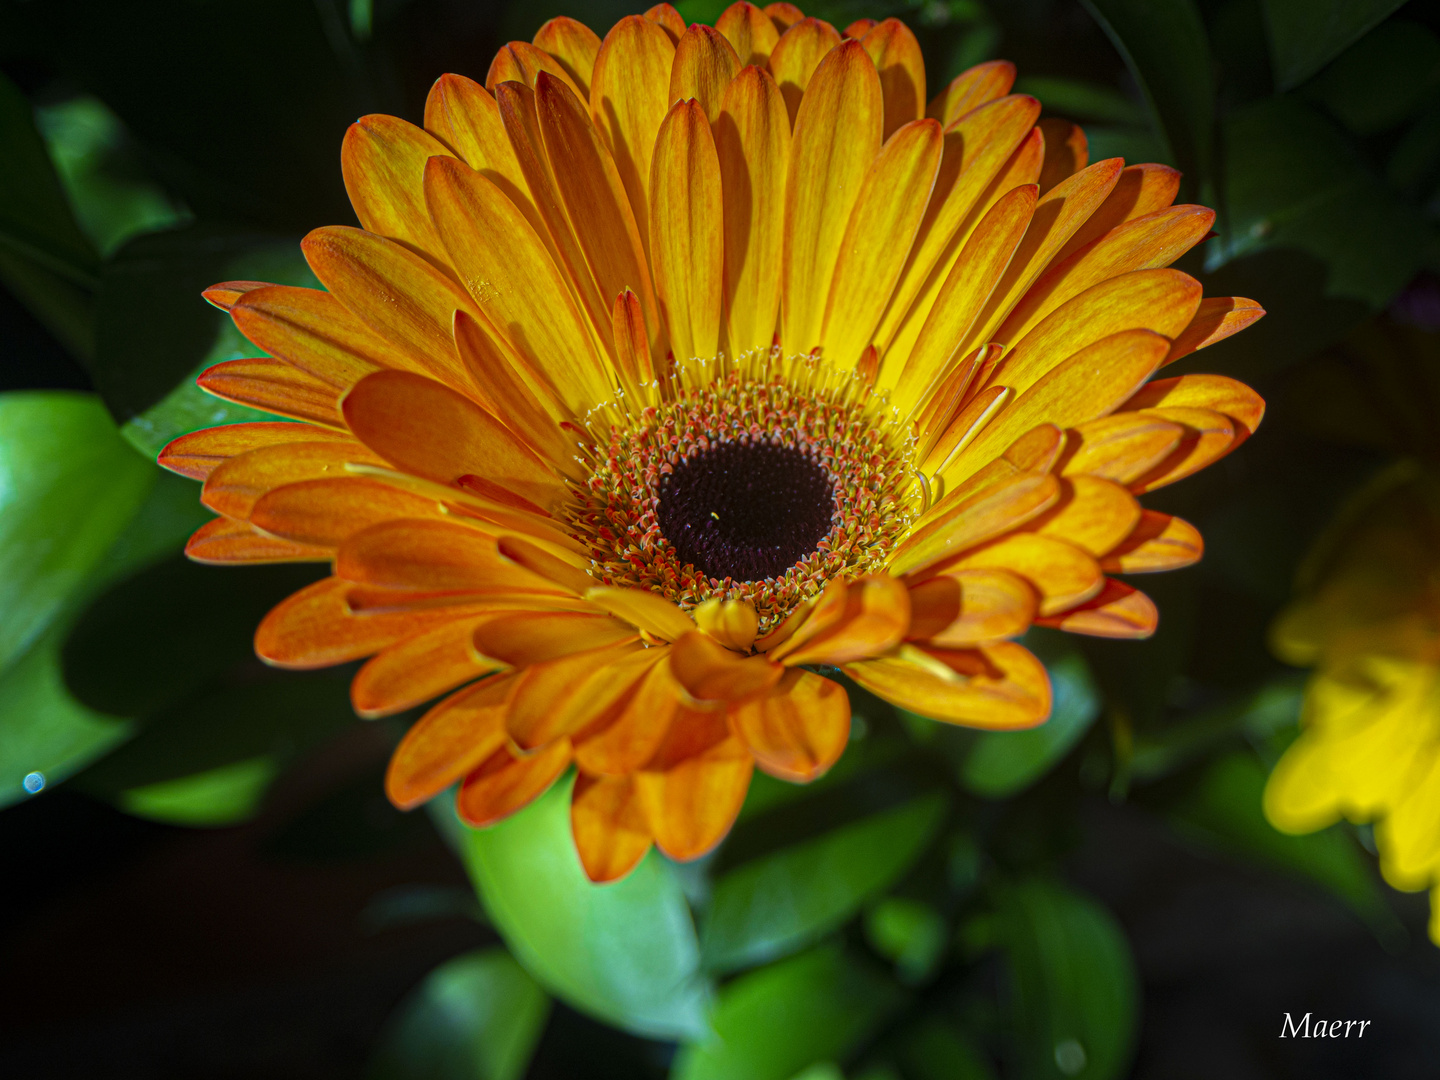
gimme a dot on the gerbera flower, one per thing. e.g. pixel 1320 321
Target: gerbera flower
pixel 669 368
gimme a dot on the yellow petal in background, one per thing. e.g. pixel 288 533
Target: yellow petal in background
pixel 896 54
pixel 383 162
pixel 572 45
pixel 972 88
pixel 796 56
pixel 750 32
pixel 522 62
pixel 1066 151
pixel 705 62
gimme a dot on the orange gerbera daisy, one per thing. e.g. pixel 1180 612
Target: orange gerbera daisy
pixel 669 367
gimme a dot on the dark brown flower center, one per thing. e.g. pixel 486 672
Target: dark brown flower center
pixel 746 511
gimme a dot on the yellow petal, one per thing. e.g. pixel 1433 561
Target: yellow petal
pixel 383 162
pixel 572 695
pixel 275 386
pixel 396 293
pixel 947 431
pixel 505 784
pixel 1062 574
pixel 522 638
pixel 1209 436
pixel 1121 447
pixel 837 134
pixel 710 672
pixel 1093 514
pixel 314 331
pixel 609 826
pixel 628 100
pixel 1158 542
pixel 1066 151
pixel 752 139
pixel 465 116
pixel 668 19
pixel 632 343
pixel 705 62
pixel 799 729
pixel 417 669
pixel 783 15
pixel 877 239
pixel 859 28
pixel 1118 611
pixel 750 31
pixel 1141 190
pixel 425 428
pixel 1217 318
pixel 874 617
pixel 796 56
pixel 514 282
pixel 692 805
pixel 970 607
pixel 198 454
pixel 1223 395
pixel 233 487
pixel 733 623
pixel 648 611
pixel 1000 686
pixel 972 88
pixel 326 512
pixel 954 527
pixel 896 54
pixel 224 294
pixel 448 741
pixel 521 62
pixel 645 717
pixel 686 237
pixel 574 46
pixel 434 556
pixel 226 540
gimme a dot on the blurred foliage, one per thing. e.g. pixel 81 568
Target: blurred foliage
pixel 905 918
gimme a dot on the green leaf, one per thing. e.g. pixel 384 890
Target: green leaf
pixel 1163 44
pixel 476 1017
pixel 1256 715
pixel 1075 989
pixel 221 796
pixel 770 1024
pixel 68 485
pixel 624 952
pixel 1383 79
pixel 1224 810
pixel 909 933
pixel 935 1050
pixel 777 904
pixel 1003 763
pixel 1305 35
pixel 1077 99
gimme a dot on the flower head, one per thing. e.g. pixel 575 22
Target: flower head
pixel 669 367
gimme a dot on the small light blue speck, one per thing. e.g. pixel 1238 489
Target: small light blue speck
pixel 34 782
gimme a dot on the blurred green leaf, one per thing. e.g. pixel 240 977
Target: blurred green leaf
pixel 1162 750
pixel 224 795
pixel 1224 810
pixel 770 1024
pixel 1002 763
pixel 625 952
pixel 821 1070
pixel 1305 35
pixel 935 1050
pixel 776 904
pixel 1294 181
pixel 1164 45
pixel 476 1017
pixel 908 932
pixel 1383 79
pixel 1130 143
pixel 1076 994
pixel 68 485
pixel 1077 99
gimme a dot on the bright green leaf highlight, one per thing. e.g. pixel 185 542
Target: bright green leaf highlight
pixel 771 1023
pixel 220 796
pixel 1305 35
pixel 1003 763
pixel 624 952
pixel 909 932
pixel 1075 988
pixel 476 1017
pixel 782 902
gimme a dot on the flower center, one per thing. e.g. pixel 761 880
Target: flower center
pixel 746 511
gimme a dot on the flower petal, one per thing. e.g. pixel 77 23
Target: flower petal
pixel 226 540
pixel 750 31
pixel 1224 395
pixel 799 729
pixel 504 783
pixel 434 556
pixel 383 161
pixel 896 54
pixel 1158 542
pixel 328 511
pixel 892 199
pixel 796 56
pixel 1093 514
pixel 710 672
pixel 609 826
pixel 1209 436
pixel 1217 318
pixel 970 607
pixel 1118 611
pixel 275 386
pixel 837 134
pixel 417 669
pixel 233 487
pixel 686 233
pixel 464 115
pixel 522 638
pixel 692 805
pixel 449 741
pixel 972 88
pixel 645 718
pixel 954 527
pixel 752 140
pixel 668 18
pixel 648 611
pixel 522 62
pixel 425 428
pixel 1141 190
pixel 315 332
pixel 1066 151
pixel 572 45
pixel 783 15
pixel 1062 574
pixel 577 695
pixel 733 623
pixel 705 62
pixel 1000 686
pixel 198 454
pixel 872 617
pixel 1121 447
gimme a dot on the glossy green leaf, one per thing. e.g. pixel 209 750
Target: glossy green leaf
pixel 1305 35
pixel 1002 763
pixel 1383 79
pixel 624 952
pixel 1075 991
pixel 223 795
pixel 1164 45
pixel 770 1024
pixel 68 485
pixel 476 1017
pixel 782 902
pixel 1224 810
